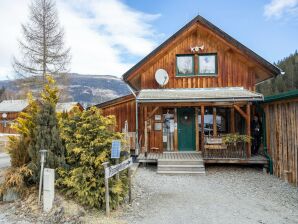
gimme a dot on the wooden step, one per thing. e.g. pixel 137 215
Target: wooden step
pixel 180 162
pixel 181 172
pixel 185 168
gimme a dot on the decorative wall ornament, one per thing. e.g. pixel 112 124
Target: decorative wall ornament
pixel 197 48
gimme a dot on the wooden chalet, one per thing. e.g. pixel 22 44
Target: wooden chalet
pixel 9 111
pixel 209 93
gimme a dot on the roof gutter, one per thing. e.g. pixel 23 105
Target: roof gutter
pixel 191 100
pixel 137 119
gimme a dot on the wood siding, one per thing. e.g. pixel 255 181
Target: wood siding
pixel 10 118
pixel 234 69
pixel 282 138
pixel 125 110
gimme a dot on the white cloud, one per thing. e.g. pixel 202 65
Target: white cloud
pixel 101 34
pixel 280 8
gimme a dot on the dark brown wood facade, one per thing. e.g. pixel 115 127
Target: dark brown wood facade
pixel 282 137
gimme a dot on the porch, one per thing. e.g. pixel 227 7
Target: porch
pixel 196 120
pixel 154 157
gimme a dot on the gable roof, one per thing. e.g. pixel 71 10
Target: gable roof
pixel 272 68
pixel 10 106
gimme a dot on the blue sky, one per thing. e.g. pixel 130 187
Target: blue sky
pixel 107 37
pixel 273 37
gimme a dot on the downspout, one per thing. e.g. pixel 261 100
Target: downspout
pixel 264 139
pixel 137 121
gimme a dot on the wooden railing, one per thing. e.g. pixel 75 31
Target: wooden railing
pixel 216 149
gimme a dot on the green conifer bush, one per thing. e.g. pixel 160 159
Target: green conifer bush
pixel 88 137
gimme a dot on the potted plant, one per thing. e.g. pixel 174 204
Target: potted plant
pixel 236 144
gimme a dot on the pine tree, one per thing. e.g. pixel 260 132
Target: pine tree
pixel 46 134
pixel 42 47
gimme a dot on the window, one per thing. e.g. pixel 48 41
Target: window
pixel 185 65
pixel 222 115
pixel 207 64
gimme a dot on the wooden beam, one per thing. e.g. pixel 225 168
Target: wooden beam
pixel 175 131
pixel 248 150
pixel 146 137
pixel 214 122
pixel 145 130
pixel 152 113
pixel 241 112
pixel 232 120
pixel 197 130
pixel 202 127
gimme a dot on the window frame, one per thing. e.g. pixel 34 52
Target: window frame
pixel 193 65
pixel 216 64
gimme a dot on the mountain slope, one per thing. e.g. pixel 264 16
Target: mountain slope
pixel 86 89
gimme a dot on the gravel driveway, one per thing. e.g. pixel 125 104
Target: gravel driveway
pixel 225 195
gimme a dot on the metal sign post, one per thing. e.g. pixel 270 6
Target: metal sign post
pixel 42 162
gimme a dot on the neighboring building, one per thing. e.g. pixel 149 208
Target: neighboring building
pixel 208 78
pixel 67 107
pixel 9 111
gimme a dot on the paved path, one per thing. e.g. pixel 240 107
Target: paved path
pixel 225 195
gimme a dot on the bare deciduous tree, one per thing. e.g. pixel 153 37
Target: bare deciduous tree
pixel 42 48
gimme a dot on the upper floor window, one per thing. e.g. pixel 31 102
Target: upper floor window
pixel 207 64
pixel 185 65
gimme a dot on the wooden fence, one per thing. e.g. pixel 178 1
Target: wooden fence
pixel 282 135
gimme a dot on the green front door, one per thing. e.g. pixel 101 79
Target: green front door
pixel 186 129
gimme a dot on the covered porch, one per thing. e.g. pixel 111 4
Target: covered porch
pixel 196 120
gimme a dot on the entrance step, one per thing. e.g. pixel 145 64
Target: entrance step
pixel 181 163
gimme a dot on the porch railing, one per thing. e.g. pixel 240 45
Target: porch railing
pixel 220 150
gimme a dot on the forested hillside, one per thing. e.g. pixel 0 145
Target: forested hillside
pixel 282 83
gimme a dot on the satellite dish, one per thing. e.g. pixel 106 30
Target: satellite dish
pixel 4 115
pixel 161 77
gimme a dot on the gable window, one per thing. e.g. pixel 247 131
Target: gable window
pixel 207 64
pixel 185 65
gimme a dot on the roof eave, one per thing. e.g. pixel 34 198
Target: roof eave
pixel 247 99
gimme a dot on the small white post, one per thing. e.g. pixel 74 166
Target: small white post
pixel 48 189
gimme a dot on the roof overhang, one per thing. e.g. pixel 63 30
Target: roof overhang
pixel 226 94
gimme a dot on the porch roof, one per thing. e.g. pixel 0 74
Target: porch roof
pixel 225 94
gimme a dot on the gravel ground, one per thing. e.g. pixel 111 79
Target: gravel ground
pixel 225 195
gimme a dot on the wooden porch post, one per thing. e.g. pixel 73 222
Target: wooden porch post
pixel 175 131
pixel 214 122
pixel 202 127
pixel 145 130
pixel 197 130
pixel 232 120
pixel 248 150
